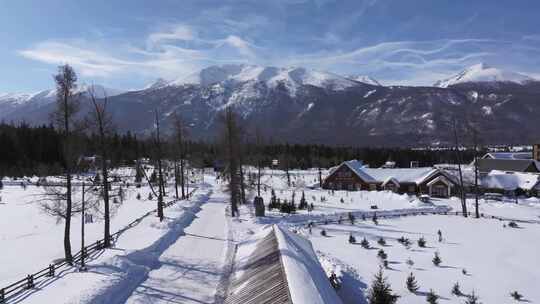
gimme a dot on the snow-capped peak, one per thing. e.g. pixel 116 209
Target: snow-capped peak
pixel 483 73
pixel 158 83
pixel 365 79
pixel 291 77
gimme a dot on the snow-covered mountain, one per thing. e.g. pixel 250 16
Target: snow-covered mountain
pixel 303 105
pixel 290 77
pixel 483 73
pixel 365 79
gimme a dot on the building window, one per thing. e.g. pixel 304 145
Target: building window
pixel 372 187
pixel 439 190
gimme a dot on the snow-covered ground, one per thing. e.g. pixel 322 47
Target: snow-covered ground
pixel 185 258
pixel 497 260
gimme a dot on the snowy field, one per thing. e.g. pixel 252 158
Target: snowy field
pixel 184 258
pixel 497 260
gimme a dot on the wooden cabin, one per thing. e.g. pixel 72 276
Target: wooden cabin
pixel 353 176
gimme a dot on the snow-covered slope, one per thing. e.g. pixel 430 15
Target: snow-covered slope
pixel 483 73
pixel 291 77
pixel 22 98
pixel 365 79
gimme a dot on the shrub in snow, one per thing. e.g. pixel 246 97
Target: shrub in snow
pixel 382 255
pixel 352 239
pixel 422 242
pixel 472 299
pixel 439 233
pixel 404 241
pixel 323 232
pixel 381 241
pixel 138 196
pixel 464 271
pixel 365 243
pixel 411 283
pixel 513 225
pixel 436 259
pixel 341 200
pixel 380 291
pixel 516 295
pixel 385 263
pixel 150 197
pixel 456 290
pixel 410 262
pixel 432 297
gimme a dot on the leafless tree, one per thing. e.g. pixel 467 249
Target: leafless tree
pixel 59 201
pixel 101 122
pixel 180 151
pixel 287 164
pixel 231 139
pixel 459 159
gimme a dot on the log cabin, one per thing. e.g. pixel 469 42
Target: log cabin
pixel 353 176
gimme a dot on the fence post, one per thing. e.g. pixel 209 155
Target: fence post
pixel 29 281
pixel 51 270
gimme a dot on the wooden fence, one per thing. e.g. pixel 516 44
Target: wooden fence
pixel 30 280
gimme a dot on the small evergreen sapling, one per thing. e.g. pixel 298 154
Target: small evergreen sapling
pixel 365 243
pixel 516 295
pixel 436 259
pixel 381 241
pixel 411 283
pixel 472 299
pixel 410 262
pixel 382 255
pixel 323 232
pixel 138 196
pixel 456 290
pixel 380 291
pixel 150 197
pixel 352 239
pixel 421 242
pixel 432 297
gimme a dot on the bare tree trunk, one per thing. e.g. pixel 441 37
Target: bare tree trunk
pixel 160 171
pixel 176 173
pixel 66 83
pixel 231 136
pixel 458 160
pixel 476 189
pixel 102 123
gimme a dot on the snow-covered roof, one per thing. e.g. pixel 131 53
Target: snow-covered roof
pixel 279 266
pixel 307 280
pixel 509 181
pixel 402 175
pixel 508 155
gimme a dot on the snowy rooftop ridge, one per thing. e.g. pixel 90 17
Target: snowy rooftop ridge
pixel 279 266
pixel 482 72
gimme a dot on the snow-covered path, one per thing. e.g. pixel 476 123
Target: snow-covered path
pixel 192 267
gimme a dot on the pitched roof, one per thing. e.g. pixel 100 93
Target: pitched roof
pixel 510 181
pixel 517 165
pixel 508 155
pixel 279 267
pixel 402 175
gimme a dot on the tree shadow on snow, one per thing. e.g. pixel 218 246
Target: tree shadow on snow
pixel 352 289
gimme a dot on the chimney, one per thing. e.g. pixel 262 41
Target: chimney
pixel 536 152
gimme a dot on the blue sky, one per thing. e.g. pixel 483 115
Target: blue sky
pixel 127 44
